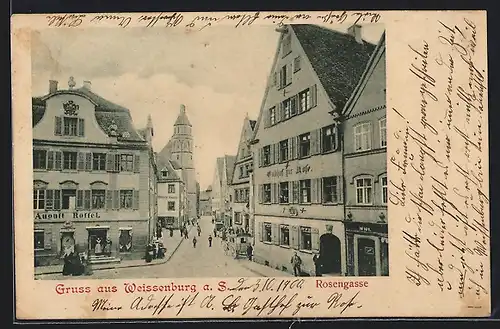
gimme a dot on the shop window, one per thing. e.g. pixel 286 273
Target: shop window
pixel 125 240
pixel 284 192
pixel 305 191
pixel 267 232
pixel 39 239
pixel 39 159
pixel 305 238
pixel 284 235
pixel 364 190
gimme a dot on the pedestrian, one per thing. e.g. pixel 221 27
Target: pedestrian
pixel 149 253
pixel 210 241
pixel 296 264
pixel 317 265
pixel 194 242
pixel 215 232
pixel 249 252
pixel 186 234
pixel 171 232
pixel 199 231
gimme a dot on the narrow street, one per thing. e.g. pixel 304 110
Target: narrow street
pixel 188 262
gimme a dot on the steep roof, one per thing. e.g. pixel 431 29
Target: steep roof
pixel 230 162
pixel 220 168
pixel 252 124
pixel 171 174
pixel 105 112
pixel 175 165
pixel 337 58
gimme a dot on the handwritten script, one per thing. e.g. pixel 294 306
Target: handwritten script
pixel 439 163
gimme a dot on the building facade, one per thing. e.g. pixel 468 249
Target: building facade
pixel 365 170
pixel 93 177
pixel 221 189
pixel 297 178
pixel 240 181
pixel 180 148
pixel 170 196
pixel 206 202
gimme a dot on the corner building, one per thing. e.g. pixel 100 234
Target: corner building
pixel 298 152
pixel 93 178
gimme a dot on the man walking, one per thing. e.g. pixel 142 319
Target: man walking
pixel 194 242
pixel 296 263
pixel 210 241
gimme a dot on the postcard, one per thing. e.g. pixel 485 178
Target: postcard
pixel 251 165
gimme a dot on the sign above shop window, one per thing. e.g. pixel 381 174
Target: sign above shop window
pixel 66 215
pixel 366 227
pixel 70 108
pixel 287 171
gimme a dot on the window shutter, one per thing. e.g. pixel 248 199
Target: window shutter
pixel 275 79
pixel 137 163
pixel 314 96
pixel 293 105
pixel 88 161
pixel 58 163
pixel 294 237
pixel 116 199
pixel 291 148
pixel 50 160
pixel 261 193
pixel 315 141
pixel 57 199
pixel 271 154
pixel 276 152
pixel 275 192
pixel 58 126
pixel 109 199
pixel 86 200
pixel 295 191
pixel 47 238
pixel 266 118
pixel 260 157
pixel 275 233
pixel 261 232
pixel 79 199
pixel 81 161
pixel 289 73
pixel 340 189
pixel 110 162
pixel 81 127
pixel 315 239
pixel 279 112
pixel 297 147
pixel 49 201
pixel 280 80
pixel 314 191
pixel 290 192
pixel 135 201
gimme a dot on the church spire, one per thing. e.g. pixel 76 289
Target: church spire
pixel 182 119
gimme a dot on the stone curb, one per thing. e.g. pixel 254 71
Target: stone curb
pixel 128 266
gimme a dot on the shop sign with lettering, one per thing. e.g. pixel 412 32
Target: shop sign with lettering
pixel 289 170
pixel 67 215
pixel 366 227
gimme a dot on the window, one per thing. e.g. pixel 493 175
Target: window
pixel 267 193
pixel 284 235
pixel 39 240
pixel 330 190
pixel 364 191
pixel 69 160
pixel 125 240
pixel 98 161
pixel 362 137
pixel 287 45
pixel 171 188
pixel 39 159
pixel 305 145
pixel 126 162
pixel 287 104
pixel 329 138
pixel 68 199
pixel 241 171
pixel 304 100
pixel 171 205
pixel 383 183
pixel 267 155
pixel 283 76
pixel 98 199
pixel 284 192
pixel 126 197
pixel 296 64
pixel 267 232
pixel 383 132
pixel 305 191
pixel 70 126
pixel 164 173
pixel 305 238
pixel 38 199
pixel 284 150
pixel 272 115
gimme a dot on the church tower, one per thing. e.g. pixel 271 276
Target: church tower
pixel 181 151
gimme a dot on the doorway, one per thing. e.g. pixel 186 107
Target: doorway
pixel 98 241
pixel 367 264
pixel 330 253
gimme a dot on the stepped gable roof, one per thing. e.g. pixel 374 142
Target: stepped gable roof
pixel 105 112
pixel 337 58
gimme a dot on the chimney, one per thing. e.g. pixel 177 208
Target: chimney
pixel 52 86
pixel 87 85
pixel 355 31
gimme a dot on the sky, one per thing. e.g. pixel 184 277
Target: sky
pixel 218 73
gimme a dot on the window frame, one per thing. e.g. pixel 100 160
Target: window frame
pixel 382 188
pixel 301 142
pixel 39 200
pixel 334 136
pixel 284 198
pixel 126 193
pixel 42 232
pixel 169 203
pixel 368 133
pixel 265 236
pixel 307 188
pixel 265 191
pixel 383 142
pixel 69 120
pixel 40 158
pixel 98 161
pixel 171 188
pixel 306 230
pixel 284 227
pixel 266 155
pixel 305 95
pixel 335 190
pixel 128 160
pixel 363 188
pixel 65 161
pixel 272 116
pixel 283 148
pixel 92 193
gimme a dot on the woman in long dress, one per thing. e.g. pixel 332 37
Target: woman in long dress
pixel 98 247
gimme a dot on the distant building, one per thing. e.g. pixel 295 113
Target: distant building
pixel 240 181
pixel 298 174
pixel 180 149
pixel 221 189
pixel 365 170
pixel 171 195
pixel 94 177
pixel 206 202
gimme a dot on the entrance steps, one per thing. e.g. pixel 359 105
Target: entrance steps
pixel 104 259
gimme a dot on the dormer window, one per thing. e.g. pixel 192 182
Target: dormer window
pixel 164 173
